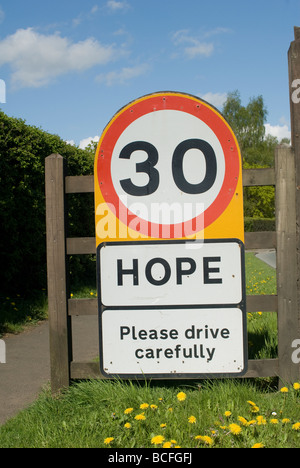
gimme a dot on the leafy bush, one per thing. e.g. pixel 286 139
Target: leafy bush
pixel 23 150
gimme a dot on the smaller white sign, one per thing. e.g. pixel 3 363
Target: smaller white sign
pixel 179 342
pixel 171 273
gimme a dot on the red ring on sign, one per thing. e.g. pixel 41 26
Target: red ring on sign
pixel 179 102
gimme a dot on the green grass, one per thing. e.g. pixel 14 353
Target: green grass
pixel 91 413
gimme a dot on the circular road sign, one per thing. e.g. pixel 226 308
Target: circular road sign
pixel 169 164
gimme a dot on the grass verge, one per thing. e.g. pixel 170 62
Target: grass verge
pixel 219 414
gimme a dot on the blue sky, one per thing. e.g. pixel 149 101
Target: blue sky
pixel 70 65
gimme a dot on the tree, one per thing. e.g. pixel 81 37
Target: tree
pixel 248 124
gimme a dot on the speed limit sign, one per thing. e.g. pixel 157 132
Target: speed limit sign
pixel 168 166
pixel 170 233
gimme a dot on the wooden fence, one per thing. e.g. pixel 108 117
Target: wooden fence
pixel 286 179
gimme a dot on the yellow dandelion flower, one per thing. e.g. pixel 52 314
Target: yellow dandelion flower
pixel 251 403
pixel 108 440
pixel 144 406
pixel 274 421
pixel 284 390
pixel 128 410
pixel 173 441
pixel 255 409
pixel 258 445
pixel 296 386
pixel 157 440
pixel 140 417
pixel 251 423
pixel 181 396
pixel 205 439
pixel 243 420
pixel 163 425
pixel 261 421
pixel 127 425
pixel 227 414
pixel 286 421
pixel 192 420
pixel 153 406
pixel 296 426
pixel 235 429
pixel 167 445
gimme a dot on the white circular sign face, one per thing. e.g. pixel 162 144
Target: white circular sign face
pixel 173 172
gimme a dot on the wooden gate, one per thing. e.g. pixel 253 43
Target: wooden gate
pixel 286 240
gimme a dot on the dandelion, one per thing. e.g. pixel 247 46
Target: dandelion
pixel 154 407
pixel 205 439
pixel 261 421
pixel 243 420
pixel 284 390
pixel 157 440
pixel 108 440
pixel 274 421
pixel 296 426
pixel 192 420
pixel 181 396
pixel 258 446
pixel 128 410
pixel 227 414
pixel 144 406
pixel 163 425
pixel 235 429
pixel 167 445
pixel 251 423
pixel 127 425
pixel 251 403
pixel 296 386
pixel 254 407
pixel 91 293
pixel 286 421
pixel 140 417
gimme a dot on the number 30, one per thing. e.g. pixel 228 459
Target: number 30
pixel 148 167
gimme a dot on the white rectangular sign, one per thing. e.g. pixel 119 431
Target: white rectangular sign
pixel 171 273
pixel 178 342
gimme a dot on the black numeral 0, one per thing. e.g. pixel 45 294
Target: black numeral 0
pixel 148 167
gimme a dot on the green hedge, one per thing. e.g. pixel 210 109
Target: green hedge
pixel 259 224
pixel 23 150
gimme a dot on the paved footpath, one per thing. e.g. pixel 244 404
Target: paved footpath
pixel 27 367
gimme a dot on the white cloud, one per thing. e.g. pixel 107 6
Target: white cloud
pixel 278 131
pixel 126 74
pixel 114 5
pixel 190 46
pixel 87 141
pixel 215 99
pixel 36 59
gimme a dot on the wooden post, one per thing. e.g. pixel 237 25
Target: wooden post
pixel 286 262
pixel 59 322
pixel 294 88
